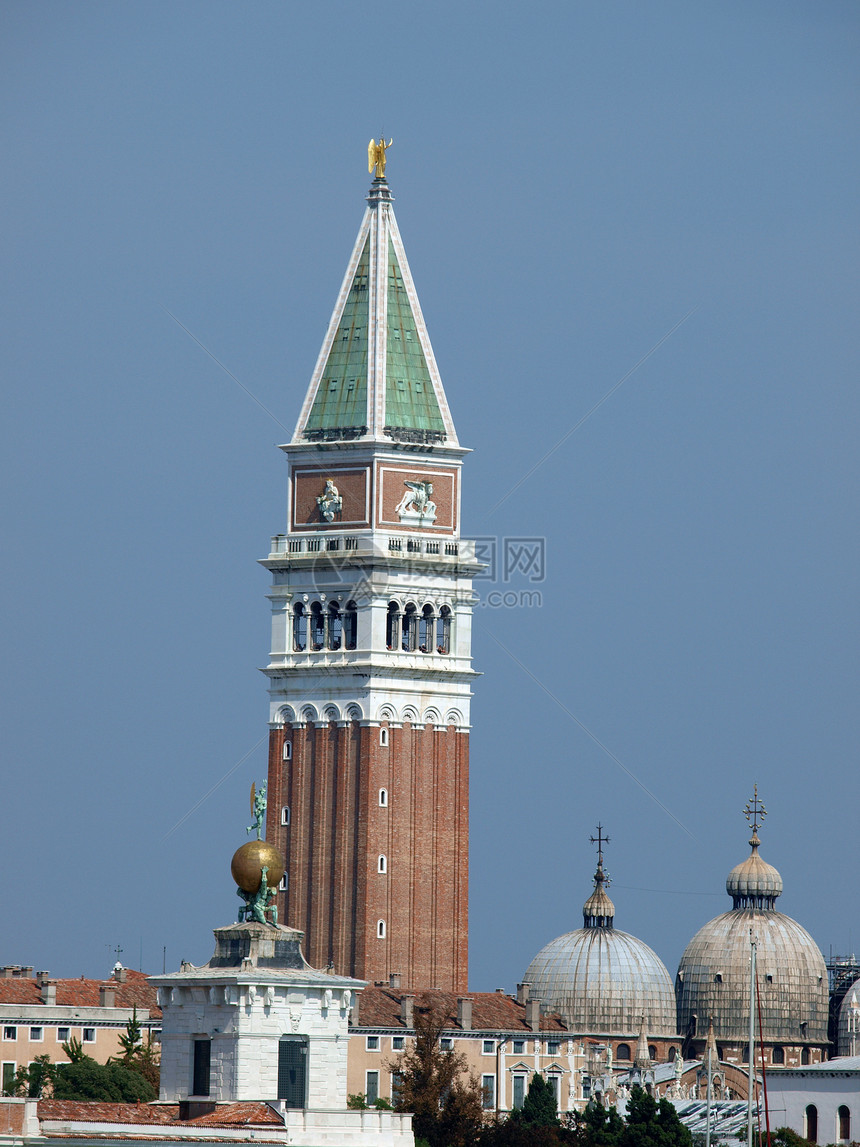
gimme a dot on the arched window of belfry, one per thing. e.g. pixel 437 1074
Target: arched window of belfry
pixel 426 625
pixel 335 626
pixel 392 627
pixel 443 630
pixel 300 628
pixel 350 626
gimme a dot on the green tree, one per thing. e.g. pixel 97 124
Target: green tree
pixel 132 1041
pixel 35 1080
pixel 111 1082
pixel 138 1055
pixel 436 1087
pixel 599 1126
pixel 74 1049
pixel 539 1107
pixel 785 1137
pixel 653 1124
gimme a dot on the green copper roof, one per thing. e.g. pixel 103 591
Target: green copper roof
pixel 341 398
pixel 410 401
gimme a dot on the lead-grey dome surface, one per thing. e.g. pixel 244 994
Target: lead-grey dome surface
pixel 714 973
pixel 602 980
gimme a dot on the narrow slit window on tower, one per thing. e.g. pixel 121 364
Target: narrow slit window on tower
pixel 382 864
pixel 285 814
pixel 383 798
pixel 285 882
pixel 383 738
pixel 288 750
pixel 380 929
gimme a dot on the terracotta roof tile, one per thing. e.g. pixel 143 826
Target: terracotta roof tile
pixel 248 1114
pixel 136 991
pixel 491 1011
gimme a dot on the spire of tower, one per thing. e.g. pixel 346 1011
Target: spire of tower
pixel 376 377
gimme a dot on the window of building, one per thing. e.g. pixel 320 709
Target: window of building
pixel 89 1035
pixel 63 1035
pixel 586 1087
pixel 371 1089
pixel 383 798
pixel 623 1051
pixel 488 1089
pixel 746 1055
pixel 292 1070
pixel 812 1123
pixel 392 627
pixel 10 1033
pixel 36 1035
pixel 443 630
pixel 372 1043
pixel 200 1070
pixel 519 1092
pixel 288 750
pixel 397 1043
pixel 844 1118
pixel 350 626
pixel 426 626
pixel 553 1047
pixel 382 864
pixel 396 1084
pixel 652 1052
pixel 554 1080
pixel 300 628
pixel 380 929
pixel 318 627
pixel 673 1052
pixel 778 1055
pixel 804 1056
pixel 335 626
pixel 488 1047
pixel 518 1046
pixel 7 1082
pixel 285 882
pixel 383 738
pixel 409 640
pixel 446 1043
pixel 285 814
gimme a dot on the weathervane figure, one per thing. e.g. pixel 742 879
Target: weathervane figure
pixel 376 156
pixel 258 809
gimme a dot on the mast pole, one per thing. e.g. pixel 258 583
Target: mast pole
pixel 751 1042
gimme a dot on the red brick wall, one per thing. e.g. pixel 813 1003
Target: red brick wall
pixel 338 830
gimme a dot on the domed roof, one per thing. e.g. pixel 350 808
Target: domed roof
pixel 714 973
pixel 601 980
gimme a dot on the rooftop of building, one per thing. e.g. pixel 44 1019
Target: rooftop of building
pixel 131 989
pixel 381 1007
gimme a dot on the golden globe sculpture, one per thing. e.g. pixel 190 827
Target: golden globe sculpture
pixel 249 861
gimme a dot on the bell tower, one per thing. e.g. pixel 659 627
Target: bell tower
pixel 370 670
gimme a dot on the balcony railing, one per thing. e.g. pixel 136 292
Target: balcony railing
pixel 406 546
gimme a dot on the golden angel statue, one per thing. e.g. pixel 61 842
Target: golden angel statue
pixel 376 156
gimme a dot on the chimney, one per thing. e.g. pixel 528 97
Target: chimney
pixel 464 1013
pixel 119 973
pixel 27 971
pixel 522 993
pixel 107 996
pixel 533 1014
pixel 49 992
pixel 8 971
pixel 394 981
pixel 41 977
pixel 407 1005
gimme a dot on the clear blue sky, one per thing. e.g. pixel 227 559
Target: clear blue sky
pixel 572 179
